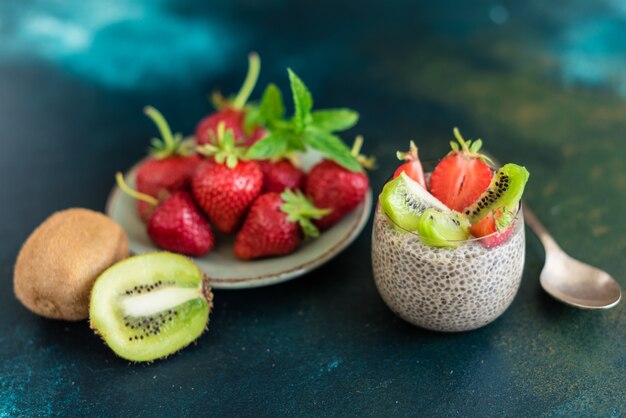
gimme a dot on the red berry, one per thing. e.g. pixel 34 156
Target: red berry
pixel 486 230
pixel 168 169
pixel 224 193
pixel 266 230
pixel 412 167
pixel 177 225
pixel 281 175
pixel 331 186
pixel 275 225
pixel 233 119
pixel 232 113
pixel 462 176
pixel 159 178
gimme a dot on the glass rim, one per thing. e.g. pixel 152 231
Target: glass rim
pixel 518 212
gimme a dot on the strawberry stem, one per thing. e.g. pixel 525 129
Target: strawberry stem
pixel 364 161
pixel 162 125
pixel 410 155
pixel 254 67
pixel 223 149
pixel 151 200
pixel 459 138
pixel 300 209
pixel 169 144
pixel 356 147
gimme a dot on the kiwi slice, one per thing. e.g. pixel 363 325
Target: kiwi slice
pixel 505 191
pixel 150 306
pixel 404 201
pixel 439 228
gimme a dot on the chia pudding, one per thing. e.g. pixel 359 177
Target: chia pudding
pixel 446 289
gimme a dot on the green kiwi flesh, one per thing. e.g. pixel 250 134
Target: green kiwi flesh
pixel 439 228
pixel 505 191
pixel 149 306
pixel 404 201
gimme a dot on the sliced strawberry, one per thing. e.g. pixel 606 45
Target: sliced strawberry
pixel 412 167
pixel 462 176
pixel 487 229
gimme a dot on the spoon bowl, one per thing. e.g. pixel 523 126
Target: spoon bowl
pixel 569 280
pixel 579 284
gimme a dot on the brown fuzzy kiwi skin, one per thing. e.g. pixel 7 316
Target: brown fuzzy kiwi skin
pixel 61 259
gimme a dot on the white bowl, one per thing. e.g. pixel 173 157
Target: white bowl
pixel 227 272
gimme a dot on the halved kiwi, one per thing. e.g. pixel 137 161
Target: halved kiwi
pixel 404 201
pixel 439 228
pixel 150 306
pixel 505 191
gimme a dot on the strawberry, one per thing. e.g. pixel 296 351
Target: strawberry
pixel 462 176
pixel 275 225
pixel 233 113
pixel 332 186
pixel 175 223
pixel 280 175
pixel 412 167
pixel 226 186
pixel 169 168
pixel 494 229
pixel 233 120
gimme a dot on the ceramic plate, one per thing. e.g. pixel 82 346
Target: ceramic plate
pixel 227 272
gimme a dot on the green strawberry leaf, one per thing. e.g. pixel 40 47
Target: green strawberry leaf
pixel 302 100
pixel 276 144
pixel 331 146
pixel 300 209
pixel 333 120
pixel 503 219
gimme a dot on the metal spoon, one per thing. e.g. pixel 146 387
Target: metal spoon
pixel 569 280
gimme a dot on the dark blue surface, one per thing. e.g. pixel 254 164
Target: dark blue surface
pixel 541 83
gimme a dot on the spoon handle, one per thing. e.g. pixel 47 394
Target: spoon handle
pixel 542 233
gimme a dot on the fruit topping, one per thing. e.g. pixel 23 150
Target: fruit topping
pixel 505 191
pixel 175 224
pixel 404 201
pixel 413 166
pixel 61 259
pixel 442 228
pixel 225 185
pixel 495 228
pixel 275 224
pixel 462 176
pixel 150 306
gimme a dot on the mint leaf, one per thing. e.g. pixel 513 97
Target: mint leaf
pixel 275 144
pixel 332 120
pixel 331 146
pixel 271 107
pixel 302 100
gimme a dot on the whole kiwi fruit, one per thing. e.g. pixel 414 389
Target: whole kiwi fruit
pixel 59 262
